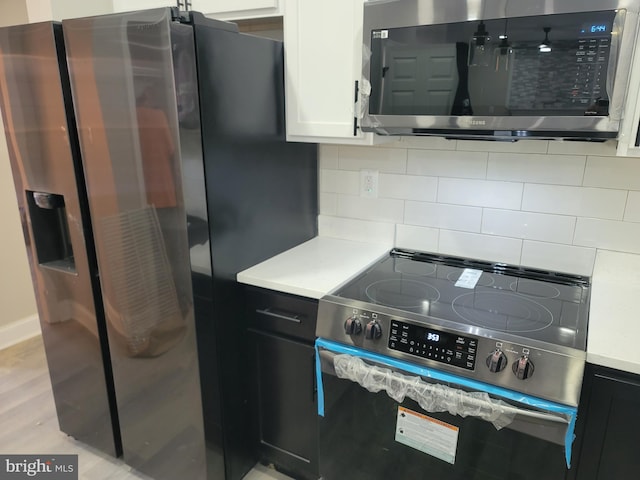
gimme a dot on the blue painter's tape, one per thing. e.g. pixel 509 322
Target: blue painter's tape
pixel 319 386
pixel 570 412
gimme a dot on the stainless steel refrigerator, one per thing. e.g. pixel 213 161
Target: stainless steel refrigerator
pixel 150 166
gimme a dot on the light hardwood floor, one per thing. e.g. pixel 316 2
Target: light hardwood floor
pixel 28 422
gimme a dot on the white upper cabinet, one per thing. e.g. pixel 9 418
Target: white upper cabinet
pixel 323 61
pixel 131 5
pixel 238 9
pixel 222 9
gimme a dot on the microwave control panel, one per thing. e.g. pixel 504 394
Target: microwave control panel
pixel 592 59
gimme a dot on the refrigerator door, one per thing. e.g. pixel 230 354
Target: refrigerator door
pixel 47 173
pixel 122 77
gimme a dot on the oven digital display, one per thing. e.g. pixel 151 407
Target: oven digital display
pixel 431 344
pixel 433 337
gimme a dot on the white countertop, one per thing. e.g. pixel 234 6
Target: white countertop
pixel 614 319
pixel 314 268
pixel 322 264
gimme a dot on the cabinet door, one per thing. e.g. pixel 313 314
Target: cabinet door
pixel 612 423
pixel 237 9
pixel 323 56
pixel 286 402
pixel 132 5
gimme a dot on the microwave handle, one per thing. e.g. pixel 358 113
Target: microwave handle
pixel 615 83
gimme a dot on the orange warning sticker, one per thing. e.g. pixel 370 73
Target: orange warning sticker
pixel 427 434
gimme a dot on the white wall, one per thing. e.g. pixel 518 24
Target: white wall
pixel 14 12
pixel 62 9
pixel 43 10
pixel 537 203
pixel 16 292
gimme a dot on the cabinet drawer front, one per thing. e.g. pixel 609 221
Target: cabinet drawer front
pixel 282 313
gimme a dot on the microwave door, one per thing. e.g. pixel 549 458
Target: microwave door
pixel 551 75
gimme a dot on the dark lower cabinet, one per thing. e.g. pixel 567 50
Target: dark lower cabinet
pixel 609 430
pixel 284 400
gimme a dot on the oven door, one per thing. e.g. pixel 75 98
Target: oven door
pixel 381 418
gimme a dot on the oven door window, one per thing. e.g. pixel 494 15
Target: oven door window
pixel 361 437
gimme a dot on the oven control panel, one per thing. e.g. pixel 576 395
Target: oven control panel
pixel 443 347
pixel 551 373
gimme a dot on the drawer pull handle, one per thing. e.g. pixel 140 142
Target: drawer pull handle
pixel 290 318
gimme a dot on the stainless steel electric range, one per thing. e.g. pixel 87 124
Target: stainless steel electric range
pixel 513 336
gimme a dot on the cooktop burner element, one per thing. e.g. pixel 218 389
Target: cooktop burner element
pixel 458 314
pixel 409 267
pixel 503 311
pixel 401 293
pixel 536 289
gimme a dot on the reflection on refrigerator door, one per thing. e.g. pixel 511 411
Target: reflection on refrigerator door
pixel 121 70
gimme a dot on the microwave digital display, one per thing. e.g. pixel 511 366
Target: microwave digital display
pixel 595 28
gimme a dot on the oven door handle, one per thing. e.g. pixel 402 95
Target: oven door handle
pixel 547 417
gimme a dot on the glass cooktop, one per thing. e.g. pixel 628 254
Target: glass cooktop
pixel 542 305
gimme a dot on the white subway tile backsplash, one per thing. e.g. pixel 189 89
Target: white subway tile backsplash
pixel 582 148
pixel 340 181
pixel 423 239
pixel 452 217
pixel 409 187
pixel 357 230
pixel 390 160
pixel 613 172
pixel 561 258
pixel 378 209
pixel 632 210
pixel 480 193
pixel 328 203
pixel 578 201
pixel 533 226
pixel 545 204
pixel 442 163
pixel 328 156
pixel 483 247
pixel 522 146
pixel 608 234
pixel 534 168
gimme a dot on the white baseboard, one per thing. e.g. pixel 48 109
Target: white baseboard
pixel 18 331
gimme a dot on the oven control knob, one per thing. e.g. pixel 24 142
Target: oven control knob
pixel 352 326
pixel 523 368
pixel 497 361
pixel 373 330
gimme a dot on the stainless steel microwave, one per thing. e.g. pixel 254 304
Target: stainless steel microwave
pixel 497 69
